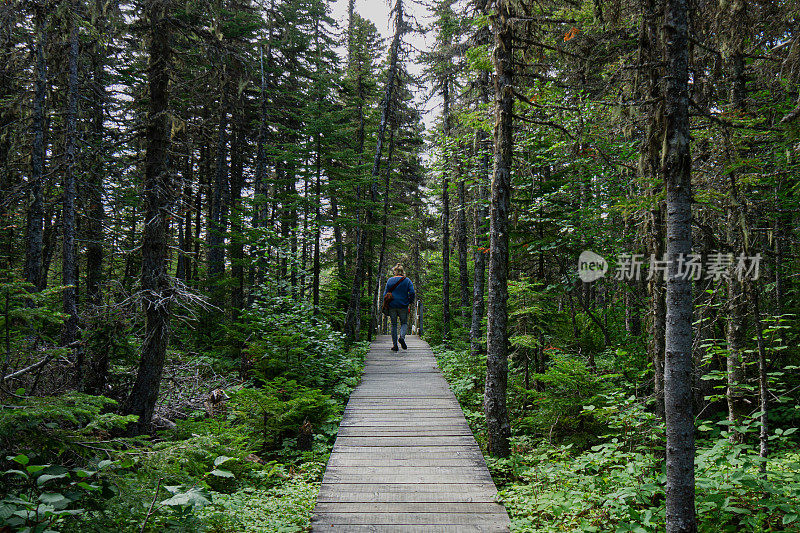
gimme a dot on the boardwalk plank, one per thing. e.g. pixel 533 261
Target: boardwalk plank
pixel 357 461
pixel 350 528
pixel 382 441
pixel 443 518
pixel 411 507
pixel 422 431
pixel 405 497
pixel 472 488
pixel 411 452
pixel 405 459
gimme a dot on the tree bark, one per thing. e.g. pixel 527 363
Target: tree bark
pixel 337 233
pixel 736 326
pixel 382 254
pixel 35 222
pixel 291 223
pixel 69 263
pixel 463 268
pixel 650 42
pixel 763 382
pixel 658 313
pixel 416 260
pixel 315 279
pixel 481 212
pixel 183 270
pixel 237 236
pixel 446 213
pixel 94 225
pixel 317 230
pixel 779 229
pixel 218 224
pixel 8 115
pixel 202 167
pixel 494 399
pixel 259 219
pixel 735 333
pixel 680 511
pixel 158 195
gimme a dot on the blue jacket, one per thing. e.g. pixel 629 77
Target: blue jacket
pixel 403 295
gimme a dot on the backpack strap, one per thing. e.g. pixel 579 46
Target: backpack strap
pixel 396 284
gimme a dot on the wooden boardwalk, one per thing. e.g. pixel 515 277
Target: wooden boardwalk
pixel 404 459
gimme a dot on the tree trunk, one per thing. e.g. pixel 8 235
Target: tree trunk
pixel 763 380
pixel 51 227
pixel 779 229
pixel 237 237
pixel 416 260
pixel 130 243
pixel 494 400
pixel 94 224
pixel 736 331
pixel 650 43
pixel 202 167
pixel 735 392
pixel 8 118
pixel 680 511
pixel 384 224
pixel 35 223
pixel 317 234
pixel 337 234
pixel 371 310
pixel 659 311
pixel 183 270
pixel 318 227
pixel 463 269
pixel 352 322
pixel 261 188
pixel 158 195
pixel 481 211
pixel 446 215
pixel 69 264
pixel 291 223
pixel 218 225
pixel 479 258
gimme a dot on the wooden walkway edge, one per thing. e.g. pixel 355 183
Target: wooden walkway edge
pixel 405 459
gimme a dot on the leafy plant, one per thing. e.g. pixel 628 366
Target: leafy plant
pixel 40 496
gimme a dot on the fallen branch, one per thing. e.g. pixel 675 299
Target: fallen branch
pixel 34 366
pixel 152 505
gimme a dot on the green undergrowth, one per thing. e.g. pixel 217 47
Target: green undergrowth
pixel 587 455
pixel 613 488
pixel 254 466
pixel 285 508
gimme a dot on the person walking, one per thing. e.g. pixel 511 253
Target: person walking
pixel 399 303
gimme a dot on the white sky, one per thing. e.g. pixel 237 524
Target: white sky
pixel 378 12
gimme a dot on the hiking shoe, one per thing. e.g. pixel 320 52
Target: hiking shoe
pixel 395 349
pixel 403 344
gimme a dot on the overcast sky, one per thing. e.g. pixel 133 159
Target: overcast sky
pixel 378 12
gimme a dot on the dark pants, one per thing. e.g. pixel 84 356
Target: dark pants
pixel 402 314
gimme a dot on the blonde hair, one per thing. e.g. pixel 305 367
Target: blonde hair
pixel 398 270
